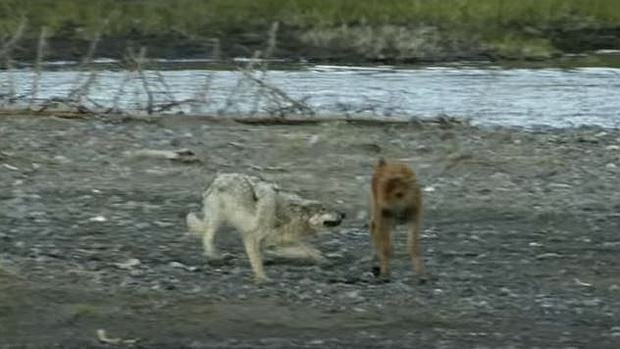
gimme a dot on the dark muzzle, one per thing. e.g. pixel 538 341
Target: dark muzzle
pixel 336 222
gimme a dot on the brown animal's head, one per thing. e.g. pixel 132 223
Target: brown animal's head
pixel 398 189
pixel 394 185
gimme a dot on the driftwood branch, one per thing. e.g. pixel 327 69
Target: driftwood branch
pixel 300 106
pixel 37 66
pixel 10 44
pixel 5 55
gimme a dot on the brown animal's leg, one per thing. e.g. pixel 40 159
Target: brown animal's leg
pixel 413 243
pixel 381 234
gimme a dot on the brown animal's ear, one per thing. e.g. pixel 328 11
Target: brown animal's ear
pixel 381 162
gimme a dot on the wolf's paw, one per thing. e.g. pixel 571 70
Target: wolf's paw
pixel 262 280
pixel 218 259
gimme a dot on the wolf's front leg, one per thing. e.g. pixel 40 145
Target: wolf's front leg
pixel 253 249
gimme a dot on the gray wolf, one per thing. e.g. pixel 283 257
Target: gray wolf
pixel 264 215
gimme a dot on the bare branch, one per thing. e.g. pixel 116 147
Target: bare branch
pixel 9 45
pixel 297 105
pixel 37 66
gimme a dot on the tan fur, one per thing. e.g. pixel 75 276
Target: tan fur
pixel 396 198
pixel 264 215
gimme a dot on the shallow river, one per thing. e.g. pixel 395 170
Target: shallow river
pixel 486 96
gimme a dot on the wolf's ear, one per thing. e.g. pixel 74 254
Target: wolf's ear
pixel 381 162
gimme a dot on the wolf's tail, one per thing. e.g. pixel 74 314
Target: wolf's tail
pixel 194 224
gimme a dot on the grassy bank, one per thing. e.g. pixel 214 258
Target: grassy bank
pixel 331 28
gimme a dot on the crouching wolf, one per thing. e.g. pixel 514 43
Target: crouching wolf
pixel 396 198
pixel 264 215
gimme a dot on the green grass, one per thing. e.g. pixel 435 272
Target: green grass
pixel 366 28
pixel 210 17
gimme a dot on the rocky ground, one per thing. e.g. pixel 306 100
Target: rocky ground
pixel 521 237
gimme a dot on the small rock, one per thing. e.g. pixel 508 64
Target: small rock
pixel 353 294
pixel 362 214
pixel 61 159
pixel 613 147
pixel 422 149
pixel 179 265
pixel 313 140
pixel 429 189
pixel 371 147
pixel 163 224
pixel 98 219
pixel 587 139
pixel 129 264
pixel 505 291
pixel 12 168
pixel 136 272
pixel 142 225
pixel 581 283
pixel 611 166
pixel 549 255
pixel 614 287
pixel 592 302
pixel 181 155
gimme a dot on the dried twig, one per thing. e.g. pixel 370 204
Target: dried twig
pixel 37 66
pixel 121 90
pixel 9 45
pixel 5 54
pixel 272 40
pixel 300 106
pixel 82 86
pixel 217 49
pixel 145 84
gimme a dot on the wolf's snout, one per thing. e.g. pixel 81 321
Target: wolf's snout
pixel 336 221
pixel 332 223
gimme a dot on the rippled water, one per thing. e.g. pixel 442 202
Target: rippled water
pixel 487 96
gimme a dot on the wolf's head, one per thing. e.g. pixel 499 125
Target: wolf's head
pixel 313 215
pixel 319 217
